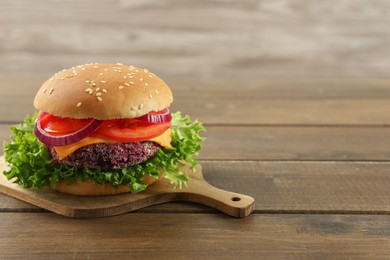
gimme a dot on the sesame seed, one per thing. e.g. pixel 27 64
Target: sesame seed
pixel 88 90
pixel 51 91
pixel 44 91
pixel 99 99
pixel 140 106
pixel 146 71
pixel 87 81
pixel 156 91
pixel 93 84
pixel 103 81
pixel 136 70
pixel 146 84
pixel 101 74
pixel 150 96
pixel 104 90
pixel 79 104
pixel 127 84
pixel 119 64
pixel 124 77
pixel 51 79
pixel 120 87
pixel 97 89
pixel 98 94
pixel 62 78
pixel 131 82
pixel 150 76
pixel 141 79
pixel 82 68
pixel 95 67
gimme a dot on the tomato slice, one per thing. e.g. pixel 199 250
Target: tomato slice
pixel 58 126
pixel 130 130
pixel 122 130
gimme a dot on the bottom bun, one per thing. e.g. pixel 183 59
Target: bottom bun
pixel 89 188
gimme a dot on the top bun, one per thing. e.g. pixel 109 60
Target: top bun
pixel 103 91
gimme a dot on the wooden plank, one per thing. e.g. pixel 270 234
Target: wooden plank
pixel 296 143
pixel 195 236
pixel 232 110
pixel 307 187
pixel 288 143
pixel 285 111
pixel 16 86
pixel 287 187
pixel 271 102
pixel 266 88
pixel 84 206
pixel 240 111
pixel 229 40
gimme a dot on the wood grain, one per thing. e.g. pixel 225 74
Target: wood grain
pixel 194 236
pixel 16 86
pixel 271 102
pixel 287 187
pixel 288 143
pixel 288 111
pixel 307 187
pixel 327 143
pixel 294 95
pixel 230 110
pixel 197 191
pixel 205 39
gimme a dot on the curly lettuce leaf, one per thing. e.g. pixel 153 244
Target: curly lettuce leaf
pixel 30 163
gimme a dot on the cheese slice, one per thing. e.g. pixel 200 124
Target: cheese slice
pixel 164 139
pixel 63 151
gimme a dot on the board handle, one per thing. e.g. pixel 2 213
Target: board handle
pixel 233 204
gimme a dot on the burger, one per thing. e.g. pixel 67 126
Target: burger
pixel 102 129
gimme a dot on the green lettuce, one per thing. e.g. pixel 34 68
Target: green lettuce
pixel 30 163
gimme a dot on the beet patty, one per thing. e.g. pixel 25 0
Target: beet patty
pixel 108 156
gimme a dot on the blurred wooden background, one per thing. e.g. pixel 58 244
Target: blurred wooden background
pixel 261 49
pixel 200 39
pixel 294 95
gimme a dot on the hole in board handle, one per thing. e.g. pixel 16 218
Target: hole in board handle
pixel 236 199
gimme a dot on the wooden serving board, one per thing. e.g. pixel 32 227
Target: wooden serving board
pixel 198 191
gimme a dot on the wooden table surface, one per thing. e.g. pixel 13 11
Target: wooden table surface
pixel 295 99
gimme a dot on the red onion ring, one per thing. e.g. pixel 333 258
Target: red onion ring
pixel 64 139
pixel 157 117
